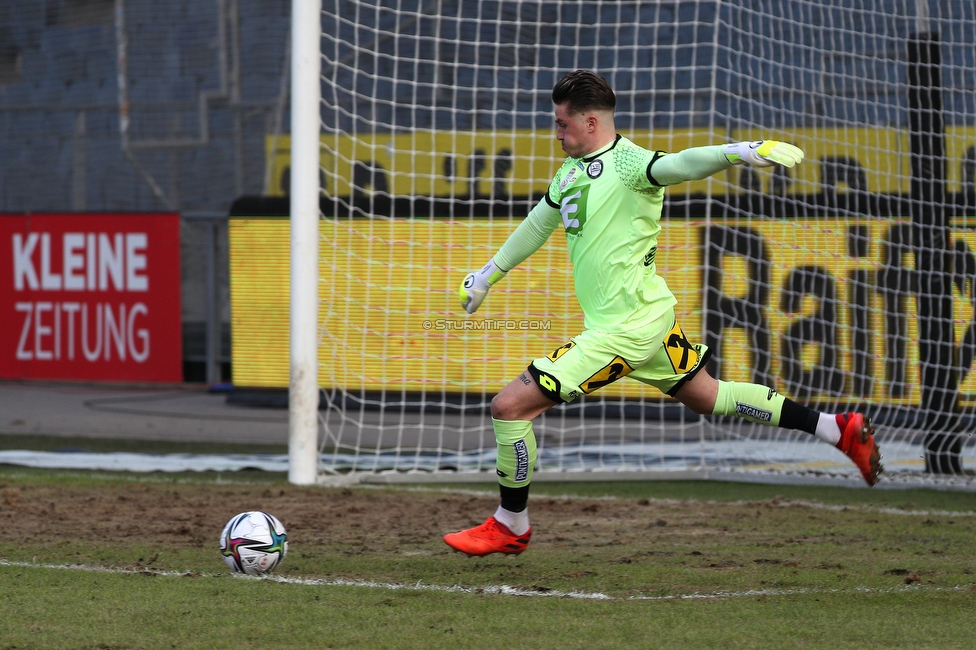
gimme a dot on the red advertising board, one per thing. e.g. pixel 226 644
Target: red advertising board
pixel 90 296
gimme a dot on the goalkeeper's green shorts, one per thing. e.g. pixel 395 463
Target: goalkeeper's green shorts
pixel 658 354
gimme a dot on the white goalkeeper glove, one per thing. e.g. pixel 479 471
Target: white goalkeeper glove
pixel 763 153
pixel 475 286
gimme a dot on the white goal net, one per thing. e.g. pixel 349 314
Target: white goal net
pixel 846 283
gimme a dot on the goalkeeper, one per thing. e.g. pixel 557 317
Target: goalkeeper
pixel 608 196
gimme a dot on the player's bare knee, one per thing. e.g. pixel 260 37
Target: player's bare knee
pixel 698 407
pixel 697 403
pixel 700 393
pixel 501 407
pixel 505 406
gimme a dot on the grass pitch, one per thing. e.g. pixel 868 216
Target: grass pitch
pixel 127 561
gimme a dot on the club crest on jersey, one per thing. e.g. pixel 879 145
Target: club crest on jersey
pixel 595 169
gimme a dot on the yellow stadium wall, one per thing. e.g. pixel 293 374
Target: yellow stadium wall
pixel 415 163
pixel 390 316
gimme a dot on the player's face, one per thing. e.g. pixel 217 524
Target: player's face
pixel 573 131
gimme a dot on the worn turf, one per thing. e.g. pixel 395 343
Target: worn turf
pixel 613 565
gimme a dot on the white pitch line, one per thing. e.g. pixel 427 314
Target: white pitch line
pixel 883 510
pixel 501 590
pixel 802 591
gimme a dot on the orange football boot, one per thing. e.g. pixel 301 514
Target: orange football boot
pixel 857 441
pixel 490 537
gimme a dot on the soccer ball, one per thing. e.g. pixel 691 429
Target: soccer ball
pixel 253 543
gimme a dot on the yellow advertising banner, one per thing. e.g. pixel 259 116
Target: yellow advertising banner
pixel 521 163
pixel 876 158
pixel 452 164
pixel 391 320
pixel 960 149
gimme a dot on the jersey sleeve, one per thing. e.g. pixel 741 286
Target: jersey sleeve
pixel 689 165
pixel 530 235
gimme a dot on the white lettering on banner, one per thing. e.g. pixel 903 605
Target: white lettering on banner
pixel 23 267
pixel 49 281
pixel 53 337
pixel 91 355
pixel 143 354
pixel 90 266
pixel 115 332
pixel 71 308
pixel 73 242
pixel 89 261
pixel 109 261
pixel 27 308
pixel 135 262
pixel 42 331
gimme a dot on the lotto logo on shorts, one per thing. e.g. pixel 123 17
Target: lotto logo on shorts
pixel 548 384
pixel 683 355
pixel 521 461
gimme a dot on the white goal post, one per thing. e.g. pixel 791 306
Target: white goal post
pixel 303 392
pixel 846 283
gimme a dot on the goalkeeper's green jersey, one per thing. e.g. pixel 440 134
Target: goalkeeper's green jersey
pixel 611 213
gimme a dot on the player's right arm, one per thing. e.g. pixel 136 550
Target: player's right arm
pixel 697 163
pixel 530 235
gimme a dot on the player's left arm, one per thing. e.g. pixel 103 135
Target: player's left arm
pixel 697 163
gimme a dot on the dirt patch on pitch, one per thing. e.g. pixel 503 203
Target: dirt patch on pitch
pixel 349 520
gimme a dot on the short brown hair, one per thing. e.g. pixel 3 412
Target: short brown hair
pixel 584 91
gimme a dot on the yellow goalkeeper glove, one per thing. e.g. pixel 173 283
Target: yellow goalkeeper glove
pixel 475 286
pixel 763 153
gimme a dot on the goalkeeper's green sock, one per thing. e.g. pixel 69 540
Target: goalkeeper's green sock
pixel 764 405
pixel 514 464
